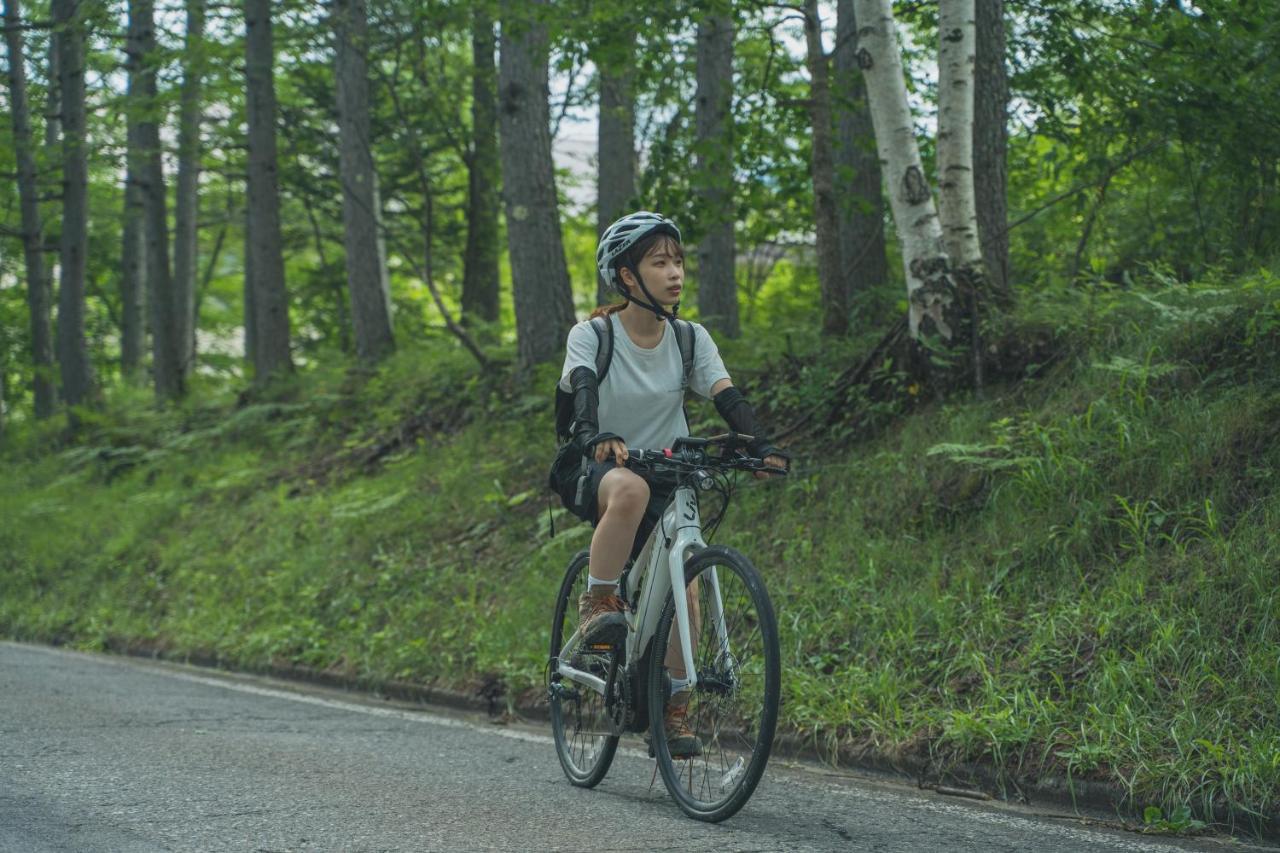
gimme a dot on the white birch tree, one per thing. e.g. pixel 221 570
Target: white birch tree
pixel 930 289
pixel 957 206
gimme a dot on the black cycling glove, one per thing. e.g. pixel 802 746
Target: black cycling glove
pixel 741 418
pixel 586 410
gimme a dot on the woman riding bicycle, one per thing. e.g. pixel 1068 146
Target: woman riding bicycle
pixel 641 402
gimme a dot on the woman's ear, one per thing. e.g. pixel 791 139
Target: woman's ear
pixel 627 278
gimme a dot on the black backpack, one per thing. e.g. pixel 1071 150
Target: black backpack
pixel 568 462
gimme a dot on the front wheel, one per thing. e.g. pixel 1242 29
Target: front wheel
pixel 734 707
pixel 580 721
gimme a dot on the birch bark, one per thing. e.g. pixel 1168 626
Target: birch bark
pixel 930 290
pixel 957 207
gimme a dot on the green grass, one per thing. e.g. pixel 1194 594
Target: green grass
pixel 1075 575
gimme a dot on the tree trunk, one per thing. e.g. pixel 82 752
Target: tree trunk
pixel 861 208
pixel 957 207
pixel 930 290
pixel 43 386
pixel 366 279
pixel 250 288
pixel 270 299
pixel 73 354
pixel 480 261
pixel 187 202
pixel 540 279
pixel 133 282
pixel 713 174
pixel 616 155
pixel 166 359
pixel 133 286
pixel 991 143
pixel 52 143
pixel 834 285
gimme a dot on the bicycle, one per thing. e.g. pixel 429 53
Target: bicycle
pixel 731 657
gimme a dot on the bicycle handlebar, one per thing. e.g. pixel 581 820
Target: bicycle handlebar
pixel 691 453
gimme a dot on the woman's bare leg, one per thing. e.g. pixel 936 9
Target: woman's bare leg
pixel 622 499
pixel 675 655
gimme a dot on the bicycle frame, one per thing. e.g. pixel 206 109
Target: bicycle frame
pixel 676 537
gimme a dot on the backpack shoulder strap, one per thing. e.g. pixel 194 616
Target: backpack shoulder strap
pixel 685 338
pixel 603 327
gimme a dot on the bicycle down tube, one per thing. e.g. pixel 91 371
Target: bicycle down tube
pixel 682 519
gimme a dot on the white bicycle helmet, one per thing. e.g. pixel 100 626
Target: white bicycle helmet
pixel 621 236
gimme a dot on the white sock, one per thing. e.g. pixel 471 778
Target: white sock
pixel 593 581
pixel 679 685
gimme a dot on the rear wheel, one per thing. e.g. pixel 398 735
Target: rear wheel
pixel 580 722
pixel 734 707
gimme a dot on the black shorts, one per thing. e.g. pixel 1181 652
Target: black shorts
pixel 588 509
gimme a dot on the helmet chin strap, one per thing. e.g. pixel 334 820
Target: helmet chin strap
pixel 652 304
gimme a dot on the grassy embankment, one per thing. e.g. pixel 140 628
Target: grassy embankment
pixel 1075 576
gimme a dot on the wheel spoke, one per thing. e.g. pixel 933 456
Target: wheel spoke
pixel 733 708
pixel 579 719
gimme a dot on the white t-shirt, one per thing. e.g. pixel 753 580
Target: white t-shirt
pixel 640 398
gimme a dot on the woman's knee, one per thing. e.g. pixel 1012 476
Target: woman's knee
pixel 624 491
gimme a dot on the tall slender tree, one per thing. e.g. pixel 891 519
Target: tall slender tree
pixel 133 288
pixel 832 282
pixel 250 303
pixel 73 353
pixel 166 359
pixel 540 277
pixel 366 275
pixel 991 143
pixel 713 170
pixel 264 267
pixel 187 200
pixel 616 145
pixel 480 258
pixel 861 206
pixel 53 143
pixel 38 299
pixel 930 289
pixel 957 207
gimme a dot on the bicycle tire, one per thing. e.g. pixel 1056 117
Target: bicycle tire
pixel 734 708
pixel 579 720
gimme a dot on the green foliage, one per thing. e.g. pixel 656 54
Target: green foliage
pixel 1074 576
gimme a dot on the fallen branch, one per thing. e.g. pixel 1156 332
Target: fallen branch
pixel 854 375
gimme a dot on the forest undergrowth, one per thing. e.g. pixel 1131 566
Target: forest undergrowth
pixel 1073 574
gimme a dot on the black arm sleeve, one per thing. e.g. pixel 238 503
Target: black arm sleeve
pixel 741 418
pixel 586 410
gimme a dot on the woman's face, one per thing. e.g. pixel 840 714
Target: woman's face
pixel 663 272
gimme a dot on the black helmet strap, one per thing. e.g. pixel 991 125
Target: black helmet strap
pixel 652 304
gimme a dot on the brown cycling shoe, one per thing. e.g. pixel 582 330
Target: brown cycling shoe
pixel 682 741
pixel 600 618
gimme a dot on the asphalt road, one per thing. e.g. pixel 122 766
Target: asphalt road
pixel 111 754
